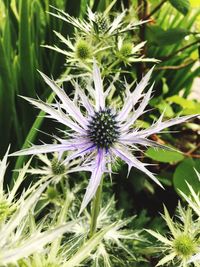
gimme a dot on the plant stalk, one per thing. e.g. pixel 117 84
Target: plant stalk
pixel 155 9
pixel 96 204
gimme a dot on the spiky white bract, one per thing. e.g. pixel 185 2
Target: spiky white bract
pixel 17 240
pixel 99 134
pixel 54 168
pixel 130 53
pixel 98 23
pixel 117 233
pixel 193 201
pixel 95 37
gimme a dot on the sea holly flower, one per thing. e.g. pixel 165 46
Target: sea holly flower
pixel 106 37
pixel 78 51
pixel 100 133
pixel 130 53
pixel 193 201
pixel 181 243
pixel 17 240
pixel 54 168
pixel 99 25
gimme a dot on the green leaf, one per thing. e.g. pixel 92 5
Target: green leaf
pixel 183 6
pixel 185 172
pixel 185 103
pixel 163 106
pixel 164 155
pixel 158 36
pixel 189 106
pixel 25 56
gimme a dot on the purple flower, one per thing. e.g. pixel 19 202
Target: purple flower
pixel 98 133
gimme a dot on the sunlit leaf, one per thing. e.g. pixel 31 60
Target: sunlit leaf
pixel 164 155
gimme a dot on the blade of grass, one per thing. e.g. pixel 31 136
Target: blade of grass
pixel 25 55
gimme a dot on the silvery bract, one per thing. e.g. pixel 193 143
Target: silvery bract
pixel 100 133
pixel 17 238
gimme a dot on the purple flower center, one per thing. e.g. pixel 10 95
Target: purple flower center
pixel 103 130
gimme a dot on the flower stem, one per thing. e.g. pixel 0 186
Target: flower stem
pixel 96 204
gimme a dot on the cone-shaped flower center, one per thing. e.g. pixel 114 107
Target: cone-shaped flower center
pixel 57 167
pixel 184 245
pixel 103 130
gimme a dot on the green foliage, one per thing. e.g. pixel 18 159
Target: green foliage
pixel 157 36
pixel 25 26
pixel 164 155
pixel 174 39
pixel 182 6
pixel 172 36
pixel 184 174
pixel 188 106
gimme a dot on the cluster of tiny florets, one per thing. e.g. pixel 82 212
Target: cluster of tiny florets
pixel 83 49
pixel 57 167
pixel 103 130
pixel 184 245
pixel 126 49
pixel 101 23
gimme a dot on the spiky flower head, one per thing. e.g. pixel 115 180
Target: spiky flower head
pixel 83 50
pixel 53 168
pixel 101 133
pixel 126 49
pixel 57 167
pixel 182 241
pixel 193 201
pixel 4 210
pixel 95 36
pixel 100 23
pixel 184 245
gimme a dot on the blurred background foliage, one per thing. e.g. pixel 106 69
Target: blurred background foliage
pixel 172 35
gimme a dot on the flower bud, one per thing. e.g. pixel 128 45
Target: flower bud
pixel 83 50
pixel 126 49
pixel 57 167
pixel 184 245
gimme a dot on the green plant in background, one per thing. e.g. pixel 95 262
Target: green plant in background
pixel 172 36
pixel 25 26
pixel 32 239
pixel 182 247
pixel 45 213
pixel 17 231
pixel 111 39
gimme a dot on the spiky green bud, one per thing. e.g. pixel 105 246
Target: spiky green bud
pixel 101 23
pixel 83 50
pixel 184 245
pixel 126 49
pixel 52 193
pixel 57 167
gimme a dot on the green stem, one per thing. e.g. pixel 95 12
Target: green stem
pixel 109 69
pixel 96 204
pixel 61 219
